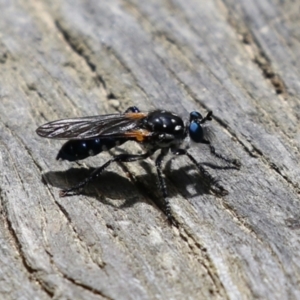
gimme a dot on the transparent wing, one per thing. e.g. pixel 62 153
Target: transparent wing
pixel 114 125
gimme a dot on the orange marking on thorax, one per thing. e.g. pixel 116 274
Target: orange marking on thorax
pixel 136 116
pixel 140 135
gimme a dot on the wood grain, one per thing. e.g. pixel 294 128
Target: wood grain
pixel 61 59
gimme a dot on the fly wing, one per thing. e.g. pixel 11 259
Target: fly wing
pixel 114 125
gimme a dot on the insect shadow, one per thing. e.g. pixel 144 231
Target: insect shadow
pixel 112 187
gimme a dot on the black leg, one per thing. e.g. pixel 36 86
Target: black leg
pixel 162 183
pixel 207 176
pixel 118 158
pixel 234 162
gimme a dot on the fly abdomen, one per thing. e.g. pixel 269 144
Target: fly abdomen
pixel 81 149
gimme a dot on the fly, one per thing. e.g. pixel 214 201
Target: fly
pixel 155 130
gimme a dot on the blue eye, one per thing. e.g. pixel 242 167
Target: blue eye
pixel 195 115
pixel 196 132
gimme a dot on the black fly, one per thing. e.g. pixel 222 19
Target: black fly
pixel 155 130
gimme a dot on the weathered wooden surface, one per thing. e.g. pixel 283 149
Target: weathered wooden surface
pixel 62 59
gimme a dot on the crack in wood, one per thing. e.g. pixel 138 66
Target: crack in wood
pixel 30 270
pixel 82 51
pixel 111 51
pixel 18 245
pixel 83 245
pixel 74 281
pixel 205 261
pixel 260 58
pixel 247 228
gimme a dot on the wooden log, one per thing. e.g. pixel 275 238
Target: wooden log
pixel 63 59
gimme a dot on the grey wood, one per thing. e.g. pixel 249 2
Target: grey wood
pixel 64 58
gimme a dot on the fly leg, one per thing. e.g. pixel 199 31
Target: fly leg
pixel 234 162
pixel 209 179
pixel 162 184
pixel 76 189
